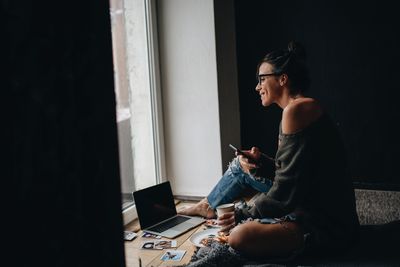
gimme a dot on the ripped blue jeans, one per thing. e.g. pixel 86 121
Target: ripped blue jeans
pixel 232 184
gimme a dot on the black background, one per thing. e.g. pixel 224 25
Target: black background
pixel 60 180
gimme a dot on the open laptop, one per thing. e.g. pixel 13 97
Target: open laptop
pixel 157 213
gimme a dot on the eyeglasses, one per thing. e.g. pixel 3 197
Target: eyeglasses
pixel 259 77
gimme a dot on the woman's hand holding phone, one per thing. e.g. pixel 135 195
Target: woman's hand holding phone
pixel 248 158
pixel 249 161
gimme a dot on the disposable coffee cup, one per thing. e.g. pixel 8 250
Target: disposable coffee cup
pixel 222 209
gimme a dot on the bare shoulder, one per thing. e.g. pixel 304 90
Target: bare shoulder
pixel 299 114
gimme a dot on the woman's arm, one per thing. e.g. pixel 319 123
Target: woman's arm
pixel 293 164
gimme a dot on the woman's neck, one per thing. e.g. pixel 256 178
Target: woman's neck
pixel 287 99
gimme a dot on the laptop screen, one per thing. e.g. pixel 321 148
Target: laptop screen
pixel 154 204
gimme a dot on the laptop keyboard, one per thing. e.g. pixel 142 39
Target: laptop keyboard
pixel 168 224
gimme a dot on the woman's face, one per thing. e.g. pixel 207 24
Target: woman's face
pixel 268 86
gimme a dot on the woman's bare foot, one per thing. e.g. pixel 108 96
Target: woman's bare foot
pixel 201 208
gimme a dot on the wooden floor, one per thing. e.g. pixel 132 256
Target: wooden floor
pixel 153 257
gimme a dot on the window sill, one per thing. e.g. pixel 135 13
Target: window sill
pixel 129 214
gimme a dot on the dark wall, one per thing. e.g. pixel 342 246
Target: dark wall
pixel 353 55
pixel 62 175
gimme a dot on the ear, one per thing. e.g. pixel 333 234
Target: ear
pixel 283 79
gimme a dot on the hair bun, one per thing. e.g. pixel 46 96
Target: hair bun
pixel 296 48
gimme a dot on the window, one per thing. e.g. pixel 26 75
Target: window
pixel 138 97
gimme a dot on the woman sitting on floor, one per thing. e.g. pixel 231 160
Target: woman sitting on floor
pixel 310 202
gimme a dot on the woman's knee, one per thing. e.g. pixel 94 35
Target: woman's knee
pixel 241 236
pixel 259 240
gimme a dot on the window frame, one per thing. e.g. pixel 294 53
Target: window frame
pixel 149 20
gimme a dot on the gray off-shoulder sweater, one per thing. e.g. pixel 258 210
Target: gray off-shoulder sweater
pixel 312 180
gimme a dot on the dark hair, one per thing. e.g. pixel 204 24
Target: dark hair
pixel 290 61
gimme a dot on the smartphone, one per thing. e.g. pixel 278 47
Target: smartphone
pixel 240 152
pixel 237 150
